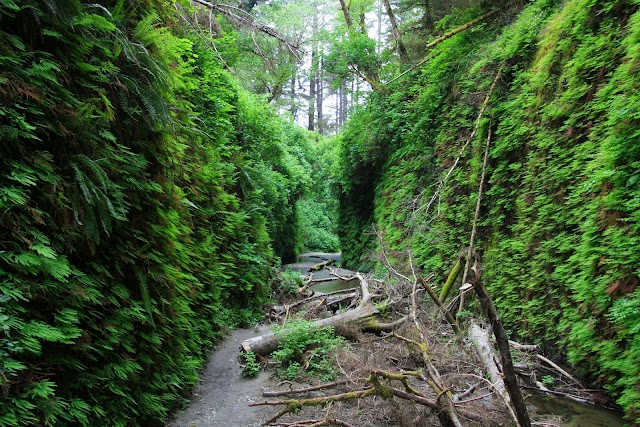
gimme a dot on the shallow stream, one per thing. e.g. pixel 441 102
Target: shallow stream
pixel 576 414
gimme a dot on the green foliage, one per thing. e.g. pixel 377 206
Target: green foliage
pixel 251 366
pixel 558 230
pixel 317 208
pixel 285 283
pixel 143 196
pixel 305 348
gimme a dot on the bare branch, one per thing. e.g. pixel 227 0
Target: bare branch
pixel 244 18
pixel 441 183
pixel 302 390
pixel 443 38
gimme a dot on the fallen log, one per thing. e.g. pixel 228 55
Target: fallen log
pixel 479 337
pixel 559 369
pixel 502 340
pixel 364 316
pixel 319 266
pixel 376 389
pixel 276 393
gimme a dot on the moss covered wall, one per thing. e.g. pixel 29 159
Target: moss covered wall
pixel 559 224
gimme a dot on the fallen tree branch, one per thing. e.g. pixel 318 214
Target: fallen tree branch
pixel 319 266
pixel 334 272
pixel 451 278
pixel 479 337
pixel 245 18
pixel 447 414
pixel 441 183
pixel 276 393
pixel 442 308
pixel 363 316
pixel 504 397
pixel 378 389
pixel 292 405
pixel 502 339
pixel 476 215
pixel 441 39
pixel 524 347
pixel 279 309
pixel 559 369
pixel 561 394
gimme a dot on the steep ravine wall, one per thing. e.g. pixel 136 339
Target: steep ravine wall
pixel 559 225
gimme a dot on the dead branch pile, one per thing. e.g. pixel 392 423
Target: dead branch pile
pixel 421 367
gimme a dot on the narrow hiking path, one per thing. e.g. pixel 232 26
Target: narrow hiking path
pixel 223 396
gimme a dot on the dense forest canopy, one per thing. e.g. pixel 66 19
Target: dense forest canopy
pixel 155 170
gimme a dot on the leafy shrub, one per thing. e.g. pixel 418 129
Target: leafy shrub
pixel 285 283
pixel 305 348
pixel 251 365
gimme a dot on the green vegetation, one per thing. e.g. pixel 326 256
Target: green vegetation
pixel 145 199
pixel 305 348
pixel 558 232
pixel 318 208
pixel 251 366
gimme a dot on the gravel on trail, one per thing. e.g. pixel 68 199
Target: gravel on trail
pixel 223 396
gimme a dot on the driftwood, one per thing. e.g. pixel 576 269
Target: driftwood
pixel 560 370
pixel 364 316
pixel 276 393
pixel 524 347
pixel 319 266
pixel 377 388
pixel 479 337
pixel 502 339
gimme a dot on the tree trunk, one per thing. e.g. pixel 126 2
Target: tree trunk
pixel 427 19
pixel 510 379
pixel 363 316
pixel 312 89
pixel 402 50
pixel 319 98
pixel 294 109
pixel 346 13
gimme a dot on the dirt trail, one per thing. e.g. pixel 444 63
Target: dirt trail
pixel 222 398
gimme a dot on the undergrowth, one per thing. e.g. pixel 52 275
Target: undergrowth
pixel 306 349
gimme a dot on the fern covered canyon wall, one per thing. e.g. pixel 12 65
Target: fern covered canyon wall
pixel 154 175
pixel 558 231
pixel 145 199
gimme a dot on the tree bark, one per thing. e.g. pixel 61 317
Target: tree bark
pixel 346 13
pixel 402 50
pixel 510 379
pixel 443 38
pixel 320 96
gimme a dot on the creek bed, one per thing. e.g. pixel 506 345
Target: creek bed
pixel 575 414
